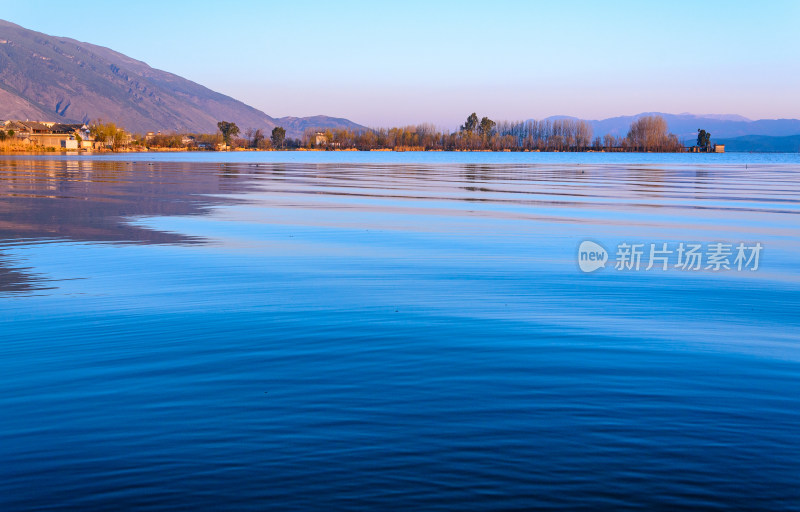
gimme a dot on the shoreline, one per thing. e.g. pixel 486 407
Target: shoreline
pixel 74 152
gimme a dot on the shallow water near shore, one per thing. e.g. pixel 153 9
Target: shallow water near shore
pixel 395 331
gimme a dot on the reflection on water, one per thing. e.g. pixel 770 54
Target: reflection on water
pixel 308 335
pixel 91 201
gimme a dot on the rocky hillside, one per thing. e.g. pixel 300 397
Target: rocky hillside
pixel 51 78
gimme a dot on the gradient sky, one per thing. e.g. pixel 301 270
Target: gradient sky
pixel 392 63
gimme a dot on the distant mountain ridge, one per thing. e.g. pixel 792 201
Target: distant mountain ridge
pixel 59 79
pixel 762 144
pixel 685 125
pixel 718 117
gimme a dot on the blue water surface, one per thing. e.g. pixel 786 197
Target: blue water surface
pixel 338 331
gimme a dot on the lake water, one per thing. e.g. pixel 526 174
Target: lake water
pixel 336 331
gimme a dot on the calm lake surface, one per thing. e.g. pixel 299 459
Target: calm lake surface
pixel 333 331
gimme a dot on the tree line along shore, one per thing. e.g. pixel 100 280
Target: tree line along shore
pixel 646 134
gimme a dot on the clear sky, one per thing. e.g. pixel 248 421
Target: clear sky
pixel 391 63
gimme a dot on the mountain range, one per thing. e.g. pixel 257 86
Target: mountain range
pixel 49 78
pixel 721 126
pixel 762 144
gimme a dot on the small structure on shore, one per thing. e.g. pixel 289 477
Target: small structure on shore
pixel 715 148
pixel 320 139
pixel 50 134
